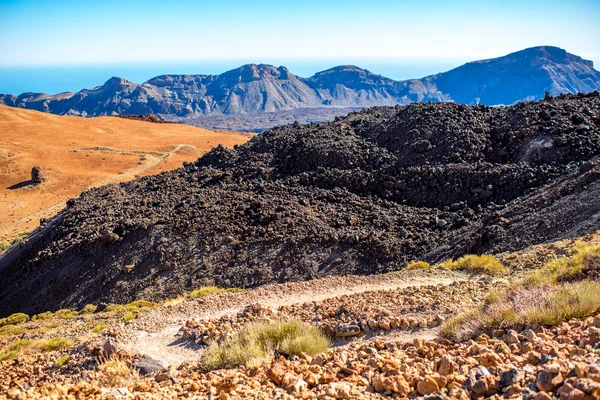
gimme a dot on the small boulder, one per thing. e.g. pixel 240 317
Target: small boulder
pixel 347 330
pixel 37 175
pixel 149 365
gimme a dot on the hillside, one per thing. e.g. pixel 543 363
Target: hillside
pixel 262 96
pixel 77 153
pixel 365 194
pixel 386 336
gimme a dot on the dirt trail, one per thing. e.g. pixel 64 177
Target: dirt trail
pixel 154 333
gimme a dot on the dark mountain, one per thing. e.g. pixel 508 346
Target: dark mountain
pixel 253 90
pixel 364 194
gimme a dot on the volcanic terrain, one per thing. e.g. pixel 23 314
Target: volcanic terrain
pixel 364 194
pixel 78 153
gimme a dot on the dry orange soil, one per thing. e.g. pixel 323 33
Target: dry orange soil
pixel 77 153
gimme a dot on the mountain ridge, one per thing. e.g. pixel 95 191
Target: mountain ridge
pixel 254 89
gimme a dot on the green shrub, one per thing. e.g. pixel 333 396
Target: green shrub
pixel 258 341
pixel 10 330
pixel 55 344
pixel 43 316
pixel 205 291
pixel 88 309
pixel 4 245
pixel 99 328
pixel 418 265
pixel 65 313
pixel 62 360
pixel 129 316
pixel 483 264
pixel 14 319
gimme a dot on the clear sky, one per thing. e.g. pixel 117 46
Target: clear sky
pixel 43 33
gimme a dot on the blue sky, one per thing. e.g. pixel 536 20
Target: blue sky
pixel 192 34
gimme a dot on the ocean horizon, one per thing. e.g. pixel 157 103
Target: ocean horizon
pixel 54 79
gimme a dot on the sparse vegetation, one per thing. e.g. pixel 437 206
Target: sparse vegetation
pixel 14 319
pixel 4 245
pixel 62 360
pixel 584 257
pixel 10 330
pixel 43 316
pixel 65 313
pixel 258 341
pixel 116 372
pixel 14 349
pixel 418 265
pixel 54 344
pixel 205 291
pixel 99 328
pixel 519 307
pixel 483 264
pixel 88 309
pixel 208 290
pixel 129 316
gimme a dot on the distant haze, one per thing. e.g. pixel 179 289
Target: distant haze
pixel 71 78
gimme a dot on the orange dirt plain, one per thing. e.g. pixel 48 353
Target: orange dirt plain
pixel 78 153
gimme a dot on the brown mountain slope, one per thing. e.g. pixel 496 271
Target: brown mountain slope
pixel 78 153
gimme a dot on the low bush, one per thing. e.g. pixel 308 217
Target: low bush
pixel 584 257
pixel 258 341
pixel 14 319
pixel 88 309
pixel 483 264
pixel 205 291
pixel 519 307
pixel 116 372
pixel 4 246
pixel 99 328
pixel 55 344
pixel 65 313
pixel 62 360
pixel 208 290
pixel 14 349
pixel 129 316
pixel 43 316
pixel 11 330
pixel 418 265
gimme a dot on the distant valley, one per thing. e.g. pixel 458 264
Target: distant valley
pixel 257 97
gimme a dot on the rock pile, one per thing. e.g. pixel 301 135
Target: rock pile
pixel 365 194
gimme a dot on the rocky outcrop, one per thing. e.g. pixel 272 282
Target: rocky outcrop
pixel 253 90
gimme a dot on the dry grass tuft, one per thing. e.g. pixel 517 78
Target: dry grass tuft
pixel 99 328
pixel 418 265
pixel 14 319
pixel 62 360
pixel 257 342
pixel 65 313
pixel 54 344
pixel 519 307
pixel 88 309
pixel 205 291
pixel 116 372
pixel 483 264
pixel 584 257
pixel 13 350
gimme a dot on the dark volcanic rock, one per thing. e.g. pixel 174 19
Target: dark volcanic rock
pixel 362 195
pixel 37 175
